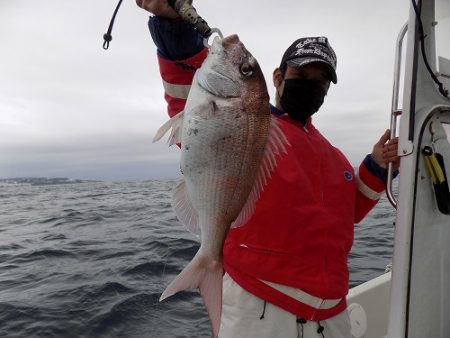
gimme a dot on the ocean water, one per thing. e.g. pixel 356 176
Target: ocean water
pixel 91 260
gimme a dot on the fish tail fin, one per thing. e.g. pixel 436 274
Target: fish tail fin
pixel 211 292
pixel 207 277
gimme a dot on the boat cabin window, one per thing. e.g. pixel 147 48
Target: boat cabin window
pixel 442 29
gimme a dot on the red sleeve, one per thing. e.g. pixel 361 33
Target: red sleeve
pixel 177 78
pixel 369 190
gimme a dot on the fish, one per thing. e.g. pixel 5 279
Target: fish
pixel 230 143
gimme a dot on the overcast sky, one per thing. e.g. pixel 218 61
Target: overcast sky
pixel 69 108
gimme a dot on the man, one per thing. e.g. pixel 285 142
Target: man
pixel 286 268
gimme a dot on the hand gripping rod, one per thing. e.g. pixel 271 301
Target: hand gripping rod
pixel 188 13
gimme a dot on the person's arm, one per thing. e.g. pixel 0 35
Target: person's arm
pixel 180 54
pixel 372 174
pixel 180 51
pixel 158 8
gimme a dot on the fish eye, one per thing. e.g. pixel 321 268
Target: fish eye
pixel 246 69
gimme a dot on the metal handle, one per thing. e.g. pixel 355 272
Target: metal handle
pixel 395 110
pixel 188 13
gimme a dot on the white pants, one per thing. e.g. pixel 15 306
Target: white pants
pixel 241 318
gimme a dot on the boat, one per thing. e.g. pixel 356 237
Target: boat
pixel 412 299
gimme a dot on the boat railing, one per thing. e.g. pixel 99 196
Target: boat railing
pixel 395 110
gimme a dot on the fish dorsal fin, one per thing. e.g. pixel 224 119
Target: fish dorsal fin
pixel 184 209
pixel 276 145
pixel 176 124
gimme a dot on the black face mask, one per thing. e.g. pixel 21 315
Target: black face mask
pixel 301 98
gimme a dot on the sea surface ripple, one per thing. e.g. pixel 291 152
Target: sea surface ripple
pixel 91 260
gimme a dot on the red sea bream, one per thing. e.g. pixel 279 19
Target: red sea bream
pixel 229 146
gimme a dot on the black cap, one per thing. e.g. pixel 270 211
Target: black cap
pixel 311 49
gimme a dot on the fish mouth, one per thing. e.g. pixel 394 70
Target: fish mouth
pixel 212 76
pixel 220 44
pixel 230 40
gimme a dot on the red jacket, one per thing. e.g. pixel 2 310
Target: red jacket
pixel 302 229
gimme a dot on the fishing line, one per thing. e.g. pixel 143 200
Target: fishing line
pixel 440 85
pixel 165 258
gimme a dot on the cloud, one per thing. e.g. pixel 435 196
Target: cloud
pixel 70 108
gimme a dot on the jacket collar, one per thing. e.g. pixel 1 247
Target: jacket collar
pixel 279 113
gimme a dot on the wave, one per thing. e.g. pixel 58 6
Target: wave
pixel 142 315
pixel 91 260
pixel 152 269
pixel 41 254
pixel 19 321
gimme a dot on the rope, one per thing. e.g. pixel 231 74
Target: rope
pixel 422 37
pixel 320 329
pixel 301 321
pixel 264 311
pixel 107 36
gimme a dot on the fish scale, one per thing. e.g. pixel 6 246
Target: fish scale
pixel 204 169
pixel 229 146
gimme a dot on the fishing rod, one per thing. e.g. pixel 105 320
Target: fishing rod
pixel 185 10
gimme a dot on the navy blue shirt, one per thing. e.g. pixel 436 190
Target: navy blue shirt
pixel 175 39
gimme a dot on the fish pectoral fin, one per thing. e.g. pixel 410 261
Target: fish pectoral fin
pixel 277 144
pixel 183 208
pixel 207 277
pixel 175 123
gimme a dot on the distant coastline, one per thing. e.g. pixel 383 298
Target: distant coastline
pixel 43 180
